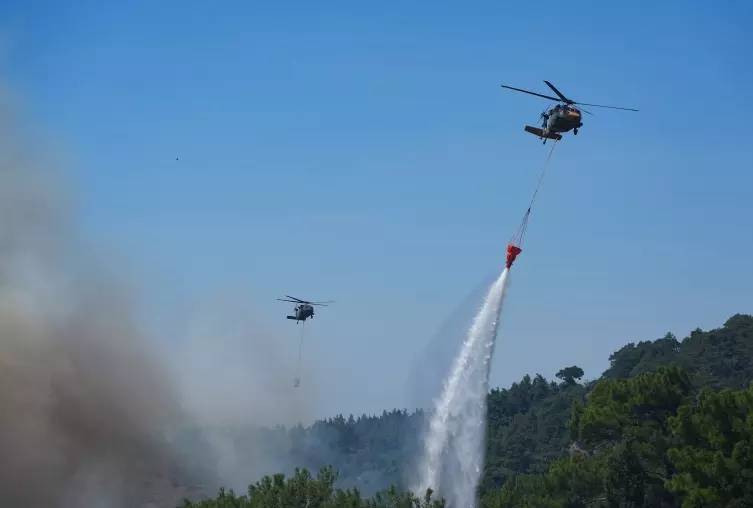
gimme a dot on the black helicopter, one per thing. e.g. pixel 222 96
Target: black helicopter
pixel 303 309
pixel 562 117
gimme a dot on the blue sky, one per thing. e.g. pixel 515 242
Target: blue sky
pixel 365 153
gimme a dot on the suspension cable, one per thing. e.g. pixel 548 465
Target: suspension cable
pixel 541 176
pixel 517 238
pixel 297 380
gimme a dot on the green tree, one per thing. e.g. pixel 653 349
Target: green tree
pixel 573 482
pixel 634 408
pixel 304 491
pixel 570 374
pixel 714 459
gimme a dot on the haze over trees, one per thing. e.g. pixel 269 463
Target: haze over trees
pixel 670 423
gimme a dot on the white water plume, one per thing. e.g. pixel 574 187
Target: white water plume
pixel 454 445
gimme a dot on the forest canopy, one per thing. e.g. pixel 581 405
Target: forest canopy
pixel 670 423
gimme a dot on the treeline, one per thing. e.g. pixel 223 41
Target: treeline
pixel 651 440
pixel 668 424
pixel 302 490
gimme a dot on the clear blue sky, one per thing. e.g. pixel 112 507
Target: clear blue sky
pixel 364 152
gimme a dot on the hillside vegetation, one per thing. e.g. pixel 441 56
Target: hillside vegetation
pixel 670 423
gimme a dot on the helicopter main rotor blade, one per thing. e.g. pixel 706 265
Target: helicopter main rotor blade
pixel 529 92
pixel 559 94
pixel 296 299
pixel 323 304
pixel 603 106
pixel 286 300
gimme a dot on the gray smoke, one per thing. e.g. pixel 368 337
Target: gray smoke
pixel 93 412
pixel 237 387
pixel 86 409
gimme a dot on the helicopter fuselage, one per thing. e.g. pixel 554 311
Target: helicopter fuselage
pixel 562 118
pixel 302 312
pixel 303 308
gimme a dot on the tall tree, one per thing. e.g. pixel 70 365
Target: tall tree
pixel 714 459
pixel 570 374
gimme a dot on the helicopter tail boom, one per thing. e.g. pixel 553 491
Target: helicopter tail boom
pixel 540 133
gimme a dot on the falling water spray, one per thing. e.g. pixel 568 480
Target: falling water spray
pixel 454 445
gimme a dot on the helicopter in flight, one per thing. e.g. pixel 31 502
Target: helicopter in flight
pixel 303 309
pixel 562 117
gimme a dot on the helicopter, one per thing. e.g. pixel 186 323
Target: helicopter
pixel 303 309
pixel 563 117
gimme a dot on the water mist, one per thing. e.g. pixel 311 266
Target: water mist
pixel 454 444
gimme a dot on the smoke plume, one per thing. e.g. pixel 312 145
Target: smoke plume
pixel 85 409
pixel 92 412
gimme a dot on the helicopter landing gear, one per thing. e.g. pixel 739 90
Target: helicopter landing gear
pixel 575 131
